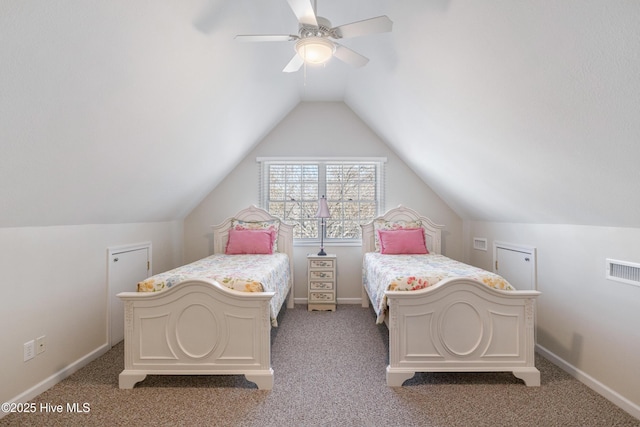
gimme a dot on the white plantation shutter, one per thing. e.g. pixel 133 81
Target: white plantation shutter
pixel 290 190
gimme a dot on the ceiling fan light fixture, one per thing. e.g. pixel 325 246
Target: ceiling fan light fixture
pixel 315 50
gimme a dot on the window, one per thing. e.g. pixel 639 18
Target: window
pixel 291 188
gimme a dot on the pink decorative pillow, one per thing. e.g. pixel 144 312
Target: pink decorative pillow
pixel 381 224
pixel 403 241
pixel 249 242
pixel 270 225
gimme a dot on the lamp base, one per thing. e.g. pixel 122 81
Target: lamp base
pixel 322 252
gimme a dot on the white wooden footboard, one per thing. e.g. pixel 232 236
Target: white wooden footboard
pixel 197 327
pixel 460 325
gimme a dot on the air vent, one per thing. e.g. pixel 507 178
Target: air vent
pixel 480 243
pixel 623 271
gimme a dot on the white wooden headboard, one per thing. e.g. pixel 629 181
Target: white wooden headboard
pixel 253 213
pixel 432 231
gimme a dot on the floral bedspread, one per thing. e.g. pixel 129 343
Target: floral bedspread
pixel 245 273
pixel 381 273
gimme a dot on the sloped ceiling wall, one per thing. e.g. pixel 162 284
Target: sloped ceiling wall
pixel 117 111
pixel 124 111
pixel 522 112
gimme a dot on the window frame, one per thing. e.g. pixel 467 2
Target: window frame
pixel 322 162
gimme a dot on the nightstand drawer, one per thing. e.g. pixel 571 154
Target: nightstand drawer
pixel 321 297
pixel 320 274
pixel 321 263
pixel 321 286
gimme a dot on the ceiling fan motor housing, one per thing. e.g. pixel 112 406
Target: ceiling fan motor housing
pixel 322 30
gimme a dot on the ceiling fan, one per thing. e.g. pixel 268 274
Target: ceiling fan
pixel 315 42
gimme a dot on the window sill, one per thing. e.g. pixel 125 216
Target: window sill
pixel 334 243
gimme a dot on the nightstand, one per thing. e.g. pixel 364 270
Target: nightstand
pixel 322 280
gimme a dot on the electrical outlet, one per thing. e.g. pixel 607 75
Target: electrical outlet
pixel 41 344
pixel 29 350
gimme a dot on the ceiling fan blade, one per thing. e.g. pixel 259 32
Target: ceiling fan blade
pixel 380 24
pixel 349 56
pixel 294 65
pixel 265 37
pixel 303 9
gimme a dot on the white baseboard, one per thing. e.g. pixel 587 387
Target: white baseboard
pixel 592 383
pixel 54 379
pixel 354 301
pixel 340 301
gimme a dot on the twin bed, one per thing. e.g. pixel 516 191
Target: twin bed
pixel 220 322
pixel 442 315
pixel 454 318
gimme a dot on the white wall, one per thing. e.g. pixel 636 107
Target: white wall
pixel 54 283
pixel 592 324
pixel 319 129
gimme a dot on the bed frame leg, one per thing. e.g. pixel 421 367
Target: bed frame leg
pixel 530 376
pixel 128 379
pixel 365 298
pixel 396 378
pixel 290 299
pixel 264 381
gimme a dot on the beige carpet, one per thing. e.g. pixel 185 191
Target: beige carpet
pixel 329 371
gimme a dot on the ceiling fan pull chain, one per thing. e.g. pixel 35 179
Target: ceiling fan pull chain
pixel 304 72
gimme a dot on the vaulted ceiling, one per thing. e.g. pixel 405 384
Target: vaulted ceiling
pixel 121 111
